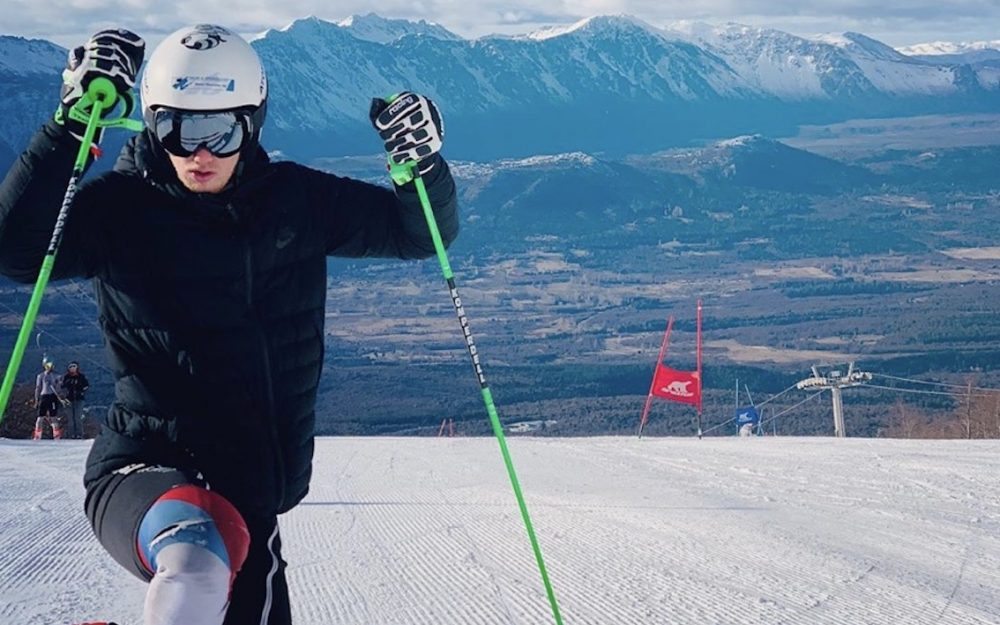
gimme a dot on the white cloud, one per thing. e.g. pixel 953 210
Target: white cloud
pixel 893 21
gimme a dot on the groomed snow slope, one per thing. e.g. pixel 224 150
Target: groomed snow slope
pixel 652 532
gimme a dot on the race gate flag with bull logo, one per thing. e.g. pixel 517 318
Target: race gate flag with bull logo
pixel 675 385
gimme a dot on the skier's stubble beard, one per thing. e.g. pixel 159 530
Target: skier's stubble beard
pixel 203 172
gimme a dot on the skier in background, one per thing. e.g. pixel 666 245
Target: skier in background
pixel 75 384
pixel 209 264
pixel 47 401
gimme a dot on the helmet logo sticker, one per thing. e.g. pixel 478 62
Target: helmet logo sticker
pixel 204 84
pixel 204 37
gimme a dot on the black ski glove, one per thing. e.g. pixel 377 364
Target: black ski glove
pixel 113 54
pixel 411 127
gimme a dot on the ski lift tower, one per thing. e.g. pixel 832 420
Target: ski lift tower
pixel 835 381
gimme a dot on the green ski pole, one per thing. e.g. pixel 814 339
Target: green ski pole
pixel 101 95
pixel 402 174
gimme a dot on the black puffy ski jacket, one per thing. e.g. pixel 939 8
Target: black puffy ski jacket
pixel 212 306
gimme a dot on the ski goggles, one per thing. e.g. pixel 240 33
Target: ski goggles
pixel 182 133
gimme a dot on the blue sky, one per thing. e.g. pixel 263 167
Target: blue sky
pixel 896 22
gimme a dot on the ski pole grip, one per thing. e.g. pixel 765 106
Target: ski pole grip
pixel 102 90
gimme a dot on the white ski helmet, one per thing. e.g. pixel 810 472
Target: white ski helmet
pixel 205 68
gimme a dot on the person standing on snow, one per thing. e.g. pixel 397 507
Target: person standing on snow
pixel 75 384
pixel 209 263
pixel 47 400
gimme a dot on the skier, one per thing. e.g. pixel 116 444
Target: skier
pixel 47 400
pixel 75 384
pixel 209 263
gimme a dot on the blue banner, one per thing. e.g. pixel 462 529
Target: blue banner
pixel 746 416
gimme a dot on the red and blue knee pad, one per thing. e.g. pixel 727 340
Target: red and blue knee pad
pixel 194 515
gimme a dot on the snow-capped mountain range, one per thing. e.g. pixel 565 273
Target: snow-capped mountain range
pixel 372 27
pixel 972 53
pixel 607 83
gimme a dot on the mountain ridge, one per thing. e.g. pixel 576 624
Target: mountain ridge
pixel 609 83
